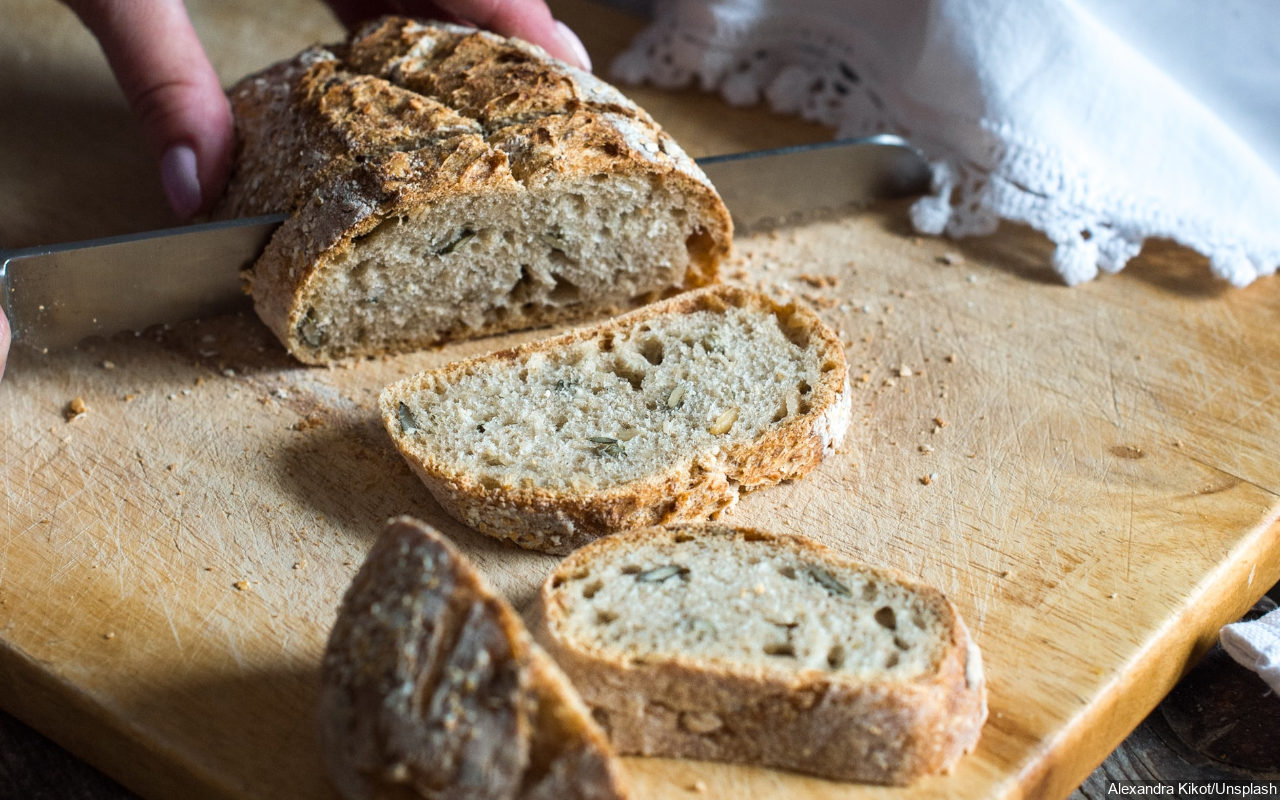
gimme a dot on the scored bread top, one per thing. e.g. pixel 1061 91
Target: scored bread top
pixel 747 601
pixel 694 377
pixel 400 85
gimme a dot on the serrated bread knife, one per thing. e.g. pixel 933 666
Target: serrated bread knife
pixel 57 295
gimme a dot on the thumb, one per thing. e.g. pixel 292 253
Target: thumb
pixel 173 91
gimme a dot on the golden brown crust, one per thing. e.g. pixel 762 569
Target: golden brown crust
pixel 888 731
pixel 694 487
pixel 346 136
pixel 432 688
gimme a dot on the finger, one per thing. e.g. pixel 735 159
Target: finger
pixel 4 342
pixel 530 20
pixel 173 91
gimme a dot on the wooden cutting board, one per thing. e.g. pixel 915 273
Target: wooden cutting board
pixel 1091 474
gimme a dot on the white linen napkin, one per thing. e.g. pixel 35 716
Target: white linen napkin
pixel 1256 645
pixel 1099 122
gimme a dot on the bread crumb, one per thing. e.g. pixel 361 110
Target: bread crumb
pixel 904 371
pixel 926 448
pixel 171 467
pixel 818 281
pixel 951 258
pixel 241 585
pixel 300 564
pixel 698 787
pixel 1004 573
pixel 309 422
pixel 940 422
pixel 108 365
pixel 929 479
pixel 951 358
pixel 75 409
pixel 109 635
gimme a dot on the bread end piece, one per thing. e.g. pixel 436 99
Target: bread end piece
pixel 432 688
pixel 846 717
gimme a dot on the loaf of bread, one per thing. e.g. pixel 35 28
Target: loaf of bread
pixel 431 688
pixel 729 644
pixel 664 414
pixel 445 183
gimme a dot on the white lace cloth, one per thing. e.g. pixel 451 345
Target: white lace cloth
pixel 1099 122
pixel 1256 645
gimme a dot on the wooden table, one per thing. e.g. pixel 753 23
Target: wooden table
pixel 1102 488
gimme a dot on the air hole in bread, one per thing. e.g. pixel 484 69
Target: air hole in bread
pixel 891 660
pixel 835 656
pixel 604 616
pixel 628 373
pixel 653 351
pixel 524 286
pixel 787 571
pixel 780 649
pixel 589 591
pixel 900 643
pixel 805 388
pixel 630 569
pixel 565 291
pixel 681 538
pixel 886 617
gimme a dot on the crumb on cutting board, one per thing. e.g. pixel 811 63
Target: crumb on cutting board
pixel 75 409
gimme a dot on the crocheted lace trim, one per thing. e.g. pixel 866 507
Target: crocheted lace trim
pixel 999 174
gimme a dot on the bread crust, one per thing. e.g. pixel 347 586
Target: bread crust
pixel 694 487
pixel 432 688
pixel 407 114
pixel 817 722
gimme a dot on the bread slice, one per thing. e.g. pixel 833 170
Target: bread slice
pixel 665 414
pixel 431 688
pixel 446 182
pixel 731 644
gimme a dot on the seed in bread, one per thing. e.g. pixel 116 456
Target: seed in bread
pixel 731 644
pixel 665 414
pixel 446 183
pixel 431 688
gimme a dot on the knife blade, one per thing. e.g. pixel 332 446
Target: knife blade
pixel 57 295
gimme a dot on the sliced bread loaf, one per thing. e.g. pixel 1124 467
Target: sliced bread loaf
pixel 446 182
pixel 728 644
pixel 431 688
pixel 665 414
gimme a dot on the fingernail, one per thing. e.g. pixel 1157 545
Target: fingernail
pixel 180 180
pixel 574 44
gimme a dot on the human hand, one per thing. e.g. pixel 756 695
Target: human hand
pixel 175 94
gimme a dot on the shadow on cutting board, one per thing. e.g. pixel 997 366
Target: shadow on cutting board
pixel 350 472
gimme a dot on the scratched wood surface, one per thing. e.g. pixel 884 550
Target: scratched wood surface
pixel 1090 473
